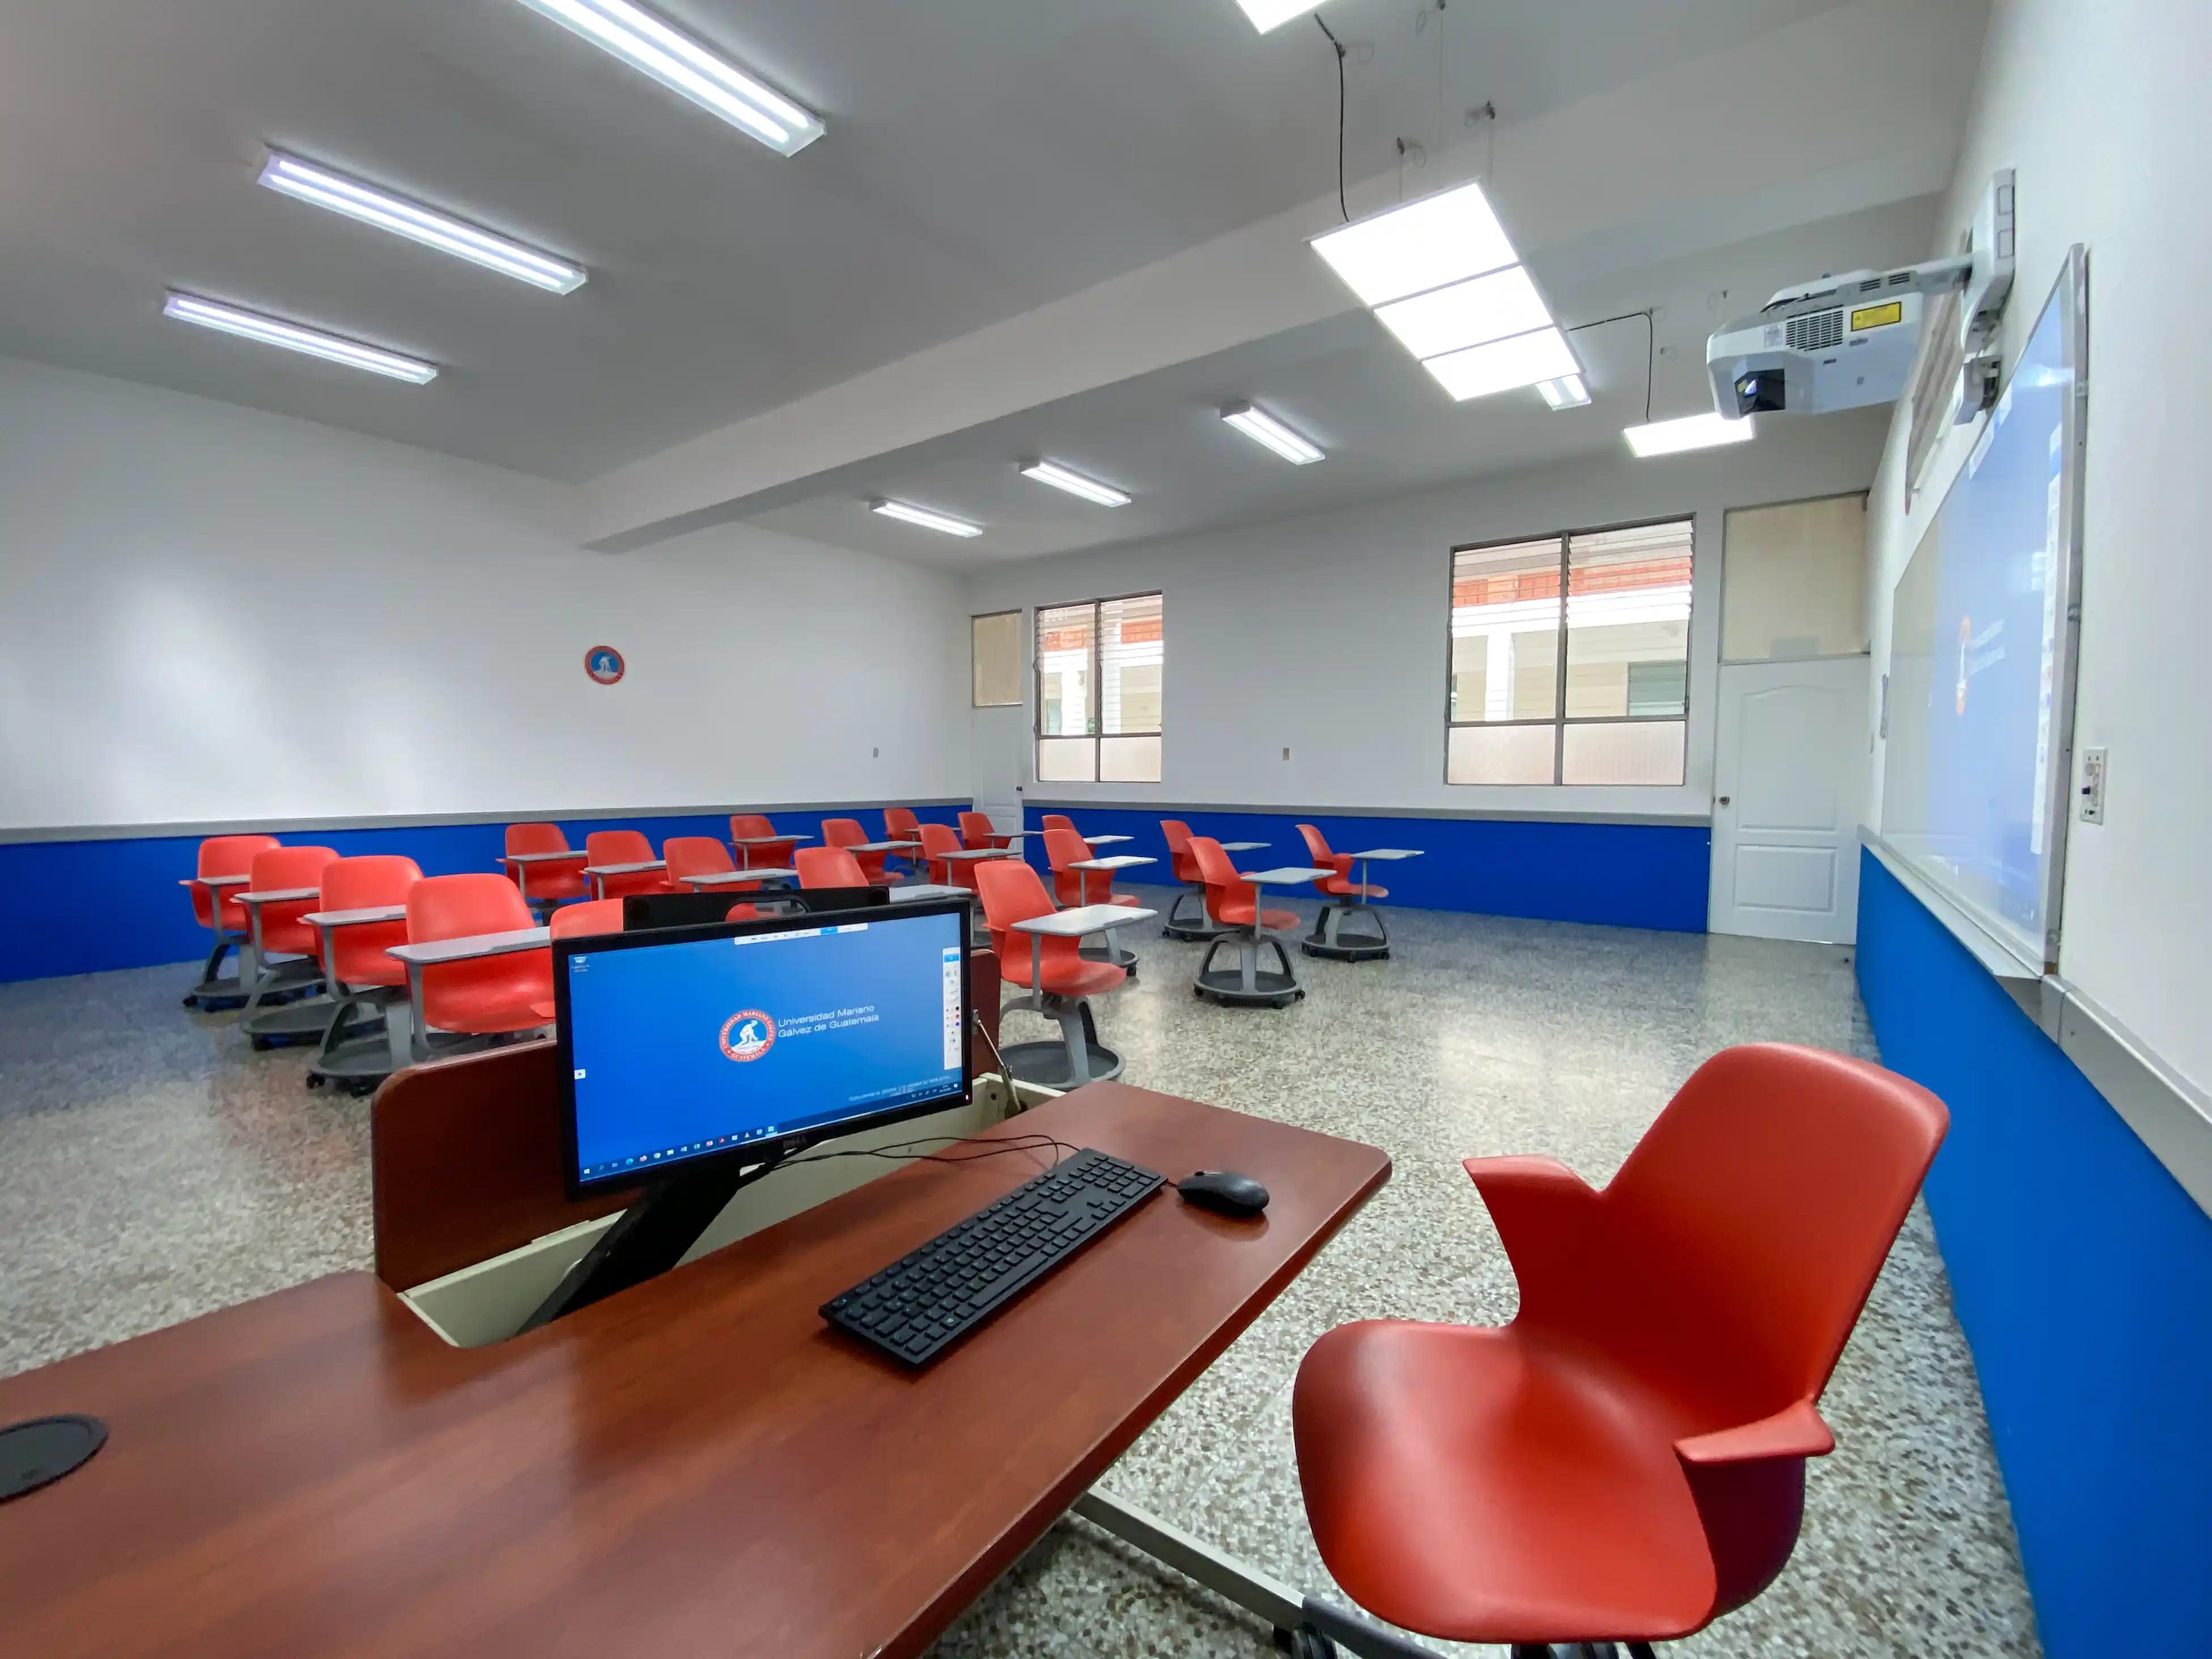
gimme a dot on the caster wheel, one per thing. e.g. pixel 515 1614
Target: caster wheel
pixel 262 1045
pixel 357 1089
pixel 314 1082
pixel 191 1002
pixel 1305 1643
pixel 1198 991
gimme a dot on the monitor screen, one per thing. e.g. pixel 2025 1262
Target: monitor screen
pixel 702 1044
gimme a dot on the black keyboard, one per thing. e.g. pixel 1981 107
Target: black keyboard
pixel 924 1303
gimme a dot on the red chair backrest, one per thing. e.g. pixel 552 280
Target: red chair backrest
pixel 938 840
pixel 275 868
pixel 593 916
pixel 536 838
pixel 357 954
pixel 900 823
pixel 1316 846
pixel 618 846
pixel 459 907
pixel 1222 882
pixel 842 832
pixel 744 826
pixel 1063 847
pixel 1058 821
pixel 826 866
pixel 695 855
pixel 225 856
pixel 976 831
pixel 1012 893
pixel 1749 1223
pixel 1179 857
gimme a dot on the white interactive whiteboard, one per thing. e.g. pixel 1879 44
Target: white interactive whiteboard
pixel 1976 781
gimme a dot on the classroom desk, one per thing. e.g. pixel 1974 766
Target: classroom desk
pixel 745 844
pixel 368 1059
pixel 266 1021
pixel 929 890
pixel 1247 983
pixel 1328 937
pixel 1108 841
pixel 696 1465
pixel 467 948
pixel 599 872
pixel 1116 952
pixel 739 878
pixel 522 861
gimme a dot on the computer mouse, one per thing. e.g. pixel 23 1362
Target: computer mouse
pixel 1223 1191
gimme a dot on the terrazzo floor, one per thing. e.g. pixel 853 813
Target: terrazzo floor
pixel 152 1167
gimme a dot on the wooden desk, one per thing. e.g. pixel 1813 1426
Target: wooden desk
pixel 697 1465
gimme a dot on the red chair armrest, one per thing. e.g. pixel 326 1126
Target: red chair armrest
pixel 1551 1221
pixel 1795 1431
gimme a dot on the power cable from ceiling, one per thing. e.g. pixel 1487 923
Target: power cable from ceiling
pixel 1649 314
pixel 1337 46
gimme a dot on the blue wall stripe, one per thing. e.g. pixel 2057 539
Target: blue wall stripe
pixel 2082 1275
pixel 1623 875
pixel 81 907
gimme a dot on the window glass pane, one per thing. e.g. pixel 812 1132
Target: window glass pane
pixel 1064 660
pixel 1628 609
pixel 998 659
pixel 1129 760
pixel 1066 760
pixel 1131 646
pixel 1793 580
pixel 1500 754
pixel 1632 751
pixel 1506 639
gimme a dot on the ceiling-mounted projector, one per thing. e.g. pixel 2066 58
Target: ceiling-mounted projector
pixel 1845 341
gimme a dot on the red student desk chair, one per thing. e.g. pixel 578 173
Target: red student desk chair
pixel 828 866
pixel 1063 850
pixel 1340 897
pixel 606 848
pixel 549 871
pixel 282 957
pixel 746 833
pixel 1238 911
pixel 363 974
pixel 219 913
pixel 978 834
pixel 478 1000
pixel 1061 979
pixel 1625 1461
pixel 1182 861
pixel 846 834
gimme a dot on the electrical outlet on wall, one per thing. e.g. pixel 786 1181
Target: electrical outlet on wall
pixel 2092 785
pixel 1286 752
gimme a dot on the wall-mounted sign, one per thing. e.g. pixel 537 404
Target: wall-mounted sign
pixel 604 663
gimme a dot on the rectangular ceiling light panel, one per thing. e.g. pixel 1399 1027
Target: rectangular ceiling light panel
pixel 1273 14
pixel 275 331
pixel 1480 309
pixel 682 65
pixel 1691 432
pixel 1445 238
pixel 1568 392
pixel 1060 478
pixel 907 513
pixel 290 176
pixel 1503 365
pixel 1265 430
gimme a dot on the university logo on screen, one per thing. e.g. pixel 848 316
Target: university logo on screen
pixel 747 1034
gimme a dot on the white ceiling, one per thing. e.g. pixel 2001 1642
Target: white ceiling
pixel 1387 425
pixel 983 157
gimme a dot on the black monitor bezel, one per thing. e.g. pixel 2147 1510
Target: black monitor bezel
pixel 757 1151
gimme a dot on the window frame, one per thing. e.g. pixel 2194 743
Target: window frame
pixel 1094 712
pixel 1015 612
pixel 1559 720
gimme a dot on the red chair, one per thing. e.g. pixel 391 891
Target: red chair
pixel 1340 896
pixel 691 856
pixel 1063 850
pixel 286 952
pixel 489 996
pixel 826 866
pixel 605 847
pixel 221 914
pixel 1625 1461
pixel 1061 981
pixel 544 882
pixel 1234 907
pixel 977 834
pixel 1058 821
pixel 748 828
pixel 847 833
pixel 593 916
pixel 361 972
pixel 937 840
pixel 901 824
pixel 1193 886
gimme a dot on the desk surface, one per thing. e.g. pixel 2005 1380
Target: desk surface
pixel 1077 921
pixel 1119 861
pixel 470 946
pixel 1288 876
pixel 757 874
pixel 766 841
pixel 625 869
pixel 356 918
pixel 541 857
pixel 697 1464
pixel 971 855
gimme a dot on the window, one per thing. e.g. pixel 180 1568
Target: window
pixel 996 642
pixel 1099 667
pixel 1793 580
pixel 1603 701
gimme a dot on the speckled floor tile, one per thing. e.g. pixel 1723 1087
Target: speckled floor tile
pixel 152 1168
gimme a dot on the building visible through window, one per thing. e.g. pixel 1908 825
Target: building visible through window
pixel 1099 667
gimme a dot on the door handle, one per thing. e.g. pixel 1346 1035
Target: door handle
pixel 1725 801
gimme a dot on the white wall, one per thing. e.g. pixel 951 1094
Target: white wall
pixel 207 613
pixel 2102 112
pixel 1327 634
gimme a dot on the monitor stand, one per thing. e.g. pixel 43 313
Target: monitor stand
pixel 650 1238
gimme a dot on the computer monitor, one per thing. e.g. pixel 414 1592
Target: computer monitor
pixel 743 1042
pixel 694 1059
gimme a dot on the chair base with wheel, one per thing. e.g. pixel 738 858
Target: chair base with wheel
pixel 1195 930
pixel 217 990
pixel 1248 984
pixel 1330 939
pixel 1078 1057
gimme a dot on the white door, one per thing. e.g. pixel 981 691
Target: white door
pixel 1791 772
pixel 999 740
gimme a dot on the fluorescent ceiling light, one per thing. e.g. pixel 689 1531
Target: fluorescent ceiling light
pixel 1264 428
pixel 1272 13
pixel 1052 473
pixel 1444 237
pixel 309 183
pixel 1568 392
pixel 1480 309
pixel 275 331
pixel 1690 432
pixel 1502 365
pixel 907 513
pixel 682 65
